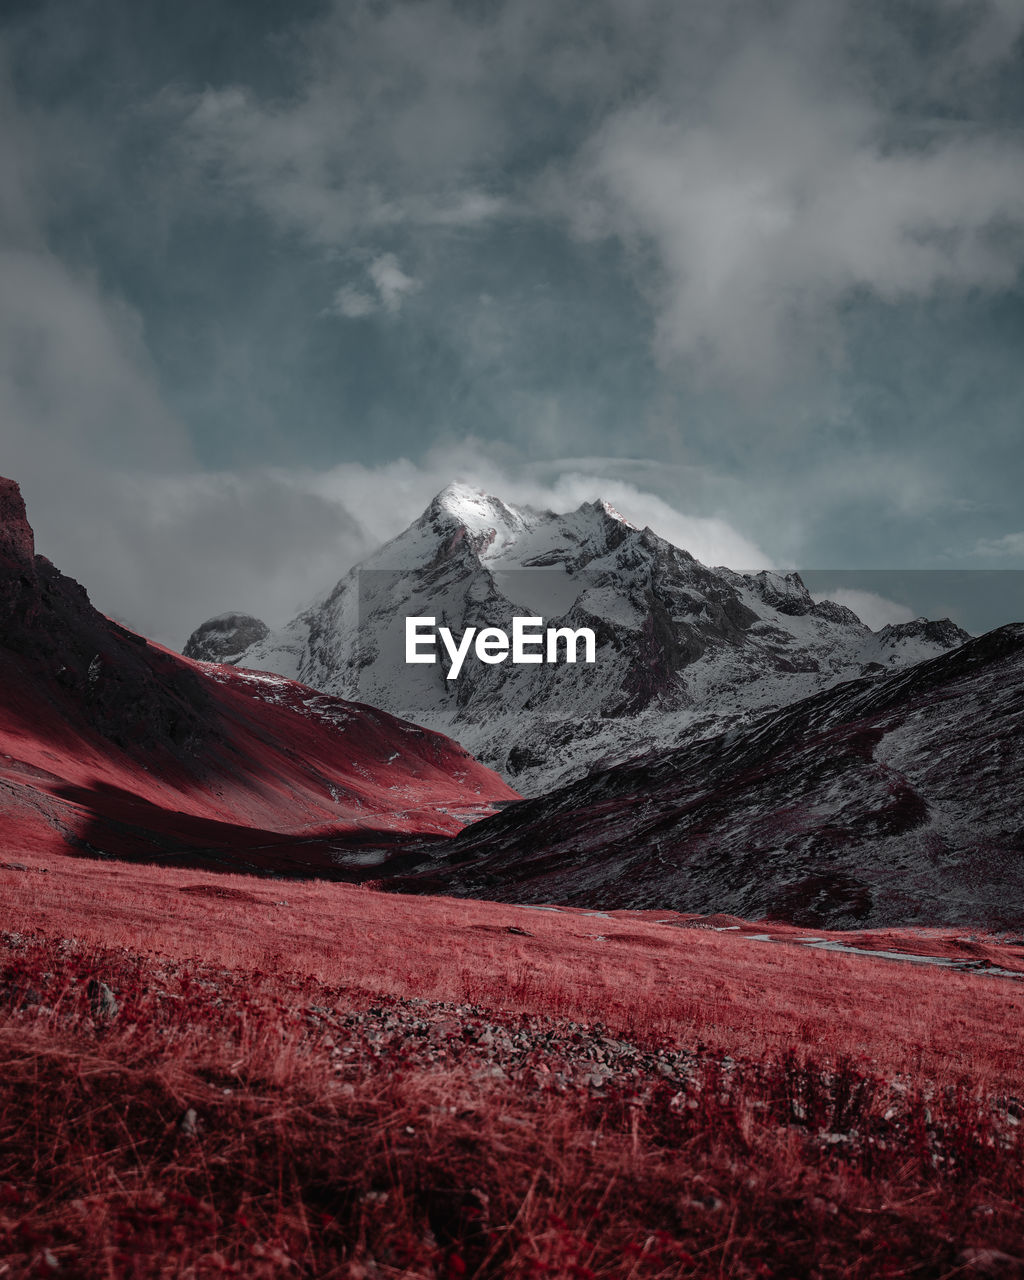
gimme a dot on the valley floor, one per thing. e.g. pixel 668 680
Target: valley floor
pixel 205 1076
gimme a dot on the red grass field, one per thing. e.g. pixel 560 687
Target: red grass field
pixel 311 1079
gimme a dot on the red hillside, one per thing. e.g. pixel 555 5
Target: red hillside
pixel 114 745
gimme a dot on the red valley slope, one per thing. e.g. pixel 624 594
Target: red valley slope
pixel 113 745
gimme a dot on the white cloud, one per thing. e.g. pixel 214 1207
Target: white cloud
pixel 390 284
pixel 393 285
pixel 762 222
pixel 460 209
pixel 1009 546
pixel 352 303
pixel 872 609
pixel 711 539
pixel 385 499
pixel 759 204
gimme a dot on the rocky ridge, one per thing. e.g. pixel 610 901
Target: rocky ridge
pixel 881 801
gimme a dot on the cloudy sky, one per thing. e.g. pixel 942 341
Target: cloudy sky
pixel 272 274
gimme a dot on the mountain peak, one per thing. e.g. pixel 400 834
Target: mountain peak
pixel 942 631
pixel 602 507
pixel 474 508
pixel 479 511
pixel 17 545
pixel 684 646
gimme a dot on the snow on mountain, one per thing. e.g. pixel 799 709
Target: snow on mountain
pixel 881 801
pixel 683 650
pixel 113 745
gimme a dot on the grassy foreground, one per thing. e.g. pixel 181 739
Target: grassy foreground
pixel 199 1078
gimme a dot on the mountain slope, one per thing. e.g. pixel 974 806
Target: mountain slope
pixel 682 650
pixel 891 800
pixel 115 745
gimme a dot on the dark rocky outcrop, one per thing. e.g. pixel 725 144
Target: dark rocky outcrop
pixel 225 638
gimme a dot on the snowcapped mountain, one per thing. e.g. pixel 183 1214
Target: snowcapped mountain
pixel 882 801
pixel 113 745
pixel 683 650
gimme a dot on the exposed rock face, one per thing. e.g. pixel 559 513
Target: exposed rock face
pixel 116 745
pixel 17 545
pixel 225 638
pixel 106 679
pixel 897 799
pixel 682 649
pixel 17 561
